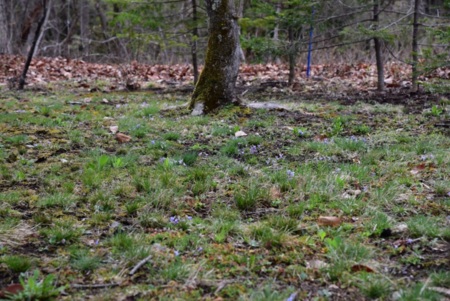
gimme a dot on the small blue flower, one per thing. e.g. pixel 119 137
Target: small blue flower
pixel 176 253
pixel 290 173
pixel 189 217
pixel 152 142
pixel 253 149
pixel 174 220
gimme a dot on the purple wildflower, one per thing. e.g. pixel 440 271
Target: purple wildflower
pixel 290 173
pixel 253 149
pixel 174 220
pixel 176 253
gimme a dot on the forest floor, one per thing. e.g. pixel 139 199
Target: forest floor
pixel 342 194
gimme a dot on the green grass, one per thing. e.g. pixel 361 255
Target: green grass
pixel 220 216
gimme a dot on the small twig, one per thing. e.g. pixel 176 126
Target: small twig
pixel 140 264
pixel 87 286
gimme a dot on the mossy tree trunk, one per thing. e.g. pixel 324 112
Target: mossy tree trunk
pixel 216 85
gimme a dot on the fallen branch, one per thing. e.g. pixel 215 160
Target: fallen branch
pixel 140 264
pixel 88 286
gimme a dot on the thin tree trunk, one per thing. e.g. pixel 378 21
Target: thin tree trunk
pixel 33 46
pixel 378 54
pixel 5 45
pixel 41 32
pixel 194 41
pixel 276 33
pixel 291 55
pixel 84 26
pixel 415 47
pixel 216 85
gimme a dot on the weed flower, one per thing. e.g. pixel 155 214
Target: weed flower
pixel 253 149
pixel 174 220
pixel 290 173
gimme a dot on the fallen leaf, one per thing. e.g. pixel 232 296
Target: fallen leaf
pixel 362 268
pixel 441 290
pixel 275 193
pixel 11 289
pixel 240 134
pixel 114 129
pixel 329 221
pixel 400 228
pixel 122 138
pixel 316 264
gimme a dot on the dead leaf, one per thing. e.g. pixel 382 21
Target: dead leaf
pixel 400 228
pixel 316 264
pixel 441 290
pixel 11 289
pixel 329 221
pixel 114 129
pixel 362 268
pixel 122 138
pixel 240 134
pixel 275 193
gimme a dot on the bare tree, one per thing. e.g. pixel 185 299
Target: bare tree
pixel 5 45
pixel 377 41
pixel 216 85
pixel 415 47
pixel 84 26
pixel 32 50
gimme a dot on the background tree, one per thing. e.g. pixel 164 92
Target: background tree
pixel 5 46
pixel 216 85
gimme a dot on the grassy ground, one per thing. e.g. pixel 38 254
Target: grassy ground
pixel 218 217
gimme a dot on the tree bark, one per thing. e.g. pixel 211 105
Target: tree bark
pixel 216 85
pixel 5 45
pixel 378 54
pixel 194 40
pixel 33 46
pixel 415 47
pixel 291 55
pixel 84 26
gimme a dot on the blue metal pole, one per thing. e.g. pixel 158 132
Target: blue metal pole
pixel 311 30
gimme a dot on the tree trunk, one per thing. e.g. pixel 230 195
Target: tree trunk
pixel 415 47
pixel 33 46
pixel 291 55
pixel 378 55
pixel 84 26
pixel 194 40
pixel 5 45
pixel 216 85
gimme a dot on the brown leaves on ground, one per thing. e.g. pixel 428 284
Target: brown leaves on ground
pixel 131 76
pixel 329 221
pixel 122 138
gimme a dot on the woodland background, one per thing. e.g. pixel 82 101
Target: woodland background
pixel 175 31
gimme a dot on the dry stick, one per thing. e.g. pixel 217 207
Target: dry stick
pixel 140 264
pixel 87 286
